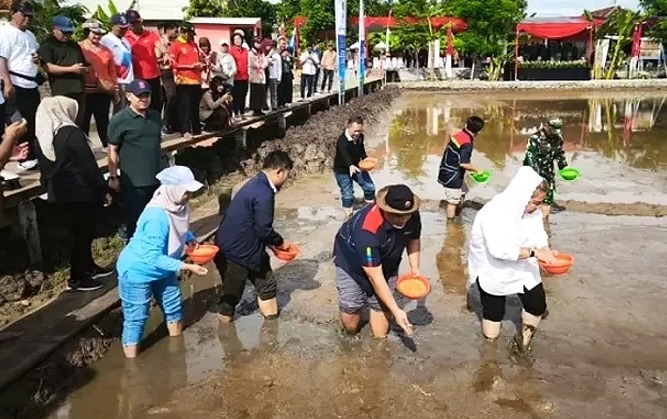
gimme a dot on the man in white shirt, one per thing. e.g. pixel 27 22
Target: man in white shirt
pixel 20 71
pixel 275 73
pixel 309 63
pixel 122 55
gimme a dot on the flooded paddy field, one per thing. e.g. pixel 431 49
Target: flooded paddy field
pixel 600 353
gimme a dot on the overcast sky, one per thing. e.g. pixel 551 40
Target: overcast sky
pixel 573 7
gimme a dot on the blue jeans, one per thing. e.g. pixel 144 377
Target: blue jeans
pixel 135 298
pixel 364 180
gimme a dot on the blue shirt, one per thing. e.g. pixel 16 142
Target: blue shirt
pixel 145 258
pixel 368 240
pixel 458 152
pixel 247 227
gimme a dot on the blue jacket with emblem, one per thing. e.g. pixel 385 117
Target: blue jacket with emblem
pixel 247 227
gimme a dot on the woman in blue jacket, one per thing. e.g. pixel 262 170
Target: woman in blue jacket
pixel 150 264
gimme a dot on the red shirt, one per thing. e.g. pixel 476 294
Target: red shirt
pixel 144 60
pixel 184 53
pixel 240 56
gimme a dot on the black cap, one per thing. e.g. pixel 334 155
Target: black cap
pixel 400 198
pixel 138 87
pixel 22 6
pixel 188 27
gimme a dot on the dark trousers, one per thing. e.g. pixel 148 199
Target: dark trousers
pixel 122 102
pixel 188 102
pixel 26 102
pixel 327 75
pixel 79 218
pixel 493 306
pixel 135 199
pixel 257 97
pixel 233 282
pixel 285 91
pixel 5 118
pixel 156 93
pixel 97 105
pixel 171 119
pixel 239 94
pixel 218 120
pixel 316 77
pixel 307 85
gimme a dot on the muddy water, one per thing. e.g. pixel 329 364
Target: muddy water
pixel 619 145
pixel 599 354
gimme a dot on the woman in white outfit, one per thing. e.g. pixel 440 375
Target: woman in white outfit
pixel 507 239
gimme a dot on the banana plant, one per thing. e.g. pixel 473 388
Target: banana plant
pixel 622 24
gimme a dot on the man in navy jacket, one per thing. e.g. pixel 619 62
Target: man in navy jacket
pixel 244 233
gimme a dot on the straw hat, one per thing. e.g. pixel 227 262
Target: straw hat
pixel 397 199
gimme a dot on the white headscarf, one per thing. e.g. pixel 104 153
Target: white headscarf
pixel 176 181
pixel 168 198
pixel 500 230
pixel 53 113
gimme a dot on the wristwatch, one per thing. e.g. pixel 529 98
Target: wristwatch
pixel 532 253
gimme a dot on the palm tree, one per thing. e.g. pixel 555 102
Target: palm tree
pixel 46 10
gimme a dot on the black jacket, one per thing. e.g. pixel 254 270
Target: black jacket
pixel 75 175
pixel 348 153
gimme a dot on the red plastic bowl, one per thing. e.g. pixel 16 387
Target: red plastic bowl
pixel 291 253
pixel 368 163
pixel 413 287
pixel 561 267
pixel 202 254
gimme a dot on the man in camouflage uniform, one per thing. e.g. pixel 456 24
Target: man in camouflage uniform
pixel 544 148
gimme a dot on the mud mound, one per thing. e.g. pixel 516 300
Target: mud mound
pixel 312 145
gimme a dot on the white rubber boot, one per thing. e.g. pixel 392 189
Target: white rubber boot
pixel 529 325
pixel 490 330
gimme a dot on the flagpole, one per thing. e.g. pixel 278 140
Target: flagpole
pixel 362 49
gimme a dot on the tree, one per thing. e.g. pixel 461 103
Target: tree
pixel 204 8
pixel 253 8
pixel 287 10
pixel 46 10
pixel 622 24
pixel 320 18
pixel 656 10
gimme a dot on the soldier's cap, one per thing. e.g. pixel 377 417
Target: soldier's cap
pixel 555 123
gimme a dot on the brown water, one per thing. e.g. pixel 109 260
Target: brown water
pixel 599 354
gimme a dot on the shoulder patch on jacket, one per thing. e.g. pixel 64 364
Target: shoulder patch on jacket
pixel 373 220
pixel 461 138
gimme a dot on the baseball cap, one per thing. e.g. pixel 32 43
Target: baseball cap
pixel 179 176
pixel 94 25
pixel 24 7
pixel 119 19
pixel 224 42
pixel 63 24
pixel 188 27
pixel 138 86
pixel 133 16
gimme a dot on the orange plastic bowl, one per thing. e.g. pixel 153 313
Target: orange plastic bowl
pixel 561 267
pixel 413 287
pixel 291 253
pixel 368 163
pixel 202 254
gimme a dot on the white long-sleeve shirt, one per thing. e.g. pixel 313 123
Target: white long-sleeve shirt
pixel 309 62
pixel 225 67
pixel 275 66
pixel 499 232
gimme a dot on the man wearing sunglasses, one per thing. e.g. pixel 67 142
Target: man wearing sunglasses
pixel 135 134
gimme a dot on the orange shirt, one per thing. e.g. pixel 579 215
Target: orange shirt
pixel 101 60
pixel 144 60
pixel 184 53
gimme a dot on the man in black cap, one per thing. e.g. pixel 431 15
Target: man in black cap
pixel 64 63
pixel 367 253
pixel 19 68
pixel 135 136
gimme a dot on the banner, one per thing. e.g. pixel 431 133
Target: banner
pixel 340 7
pixel 362 49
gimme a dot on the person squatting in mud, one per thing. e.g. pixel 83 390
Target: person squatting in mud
pixel 150 263
pixel 544 148
pixel 507 239
pixel 368 249
pixel 455 162
pixel 350 151
pixel 244 233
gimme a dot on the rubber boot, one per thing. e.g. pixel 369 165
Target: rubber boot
pixel 490 330
pixel 529 324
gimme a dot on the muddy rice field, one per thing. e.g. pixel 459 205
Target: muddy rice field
pixel 600 353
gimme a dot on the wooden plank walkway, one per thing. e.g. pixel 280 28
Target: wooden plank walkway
pixel 29 180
